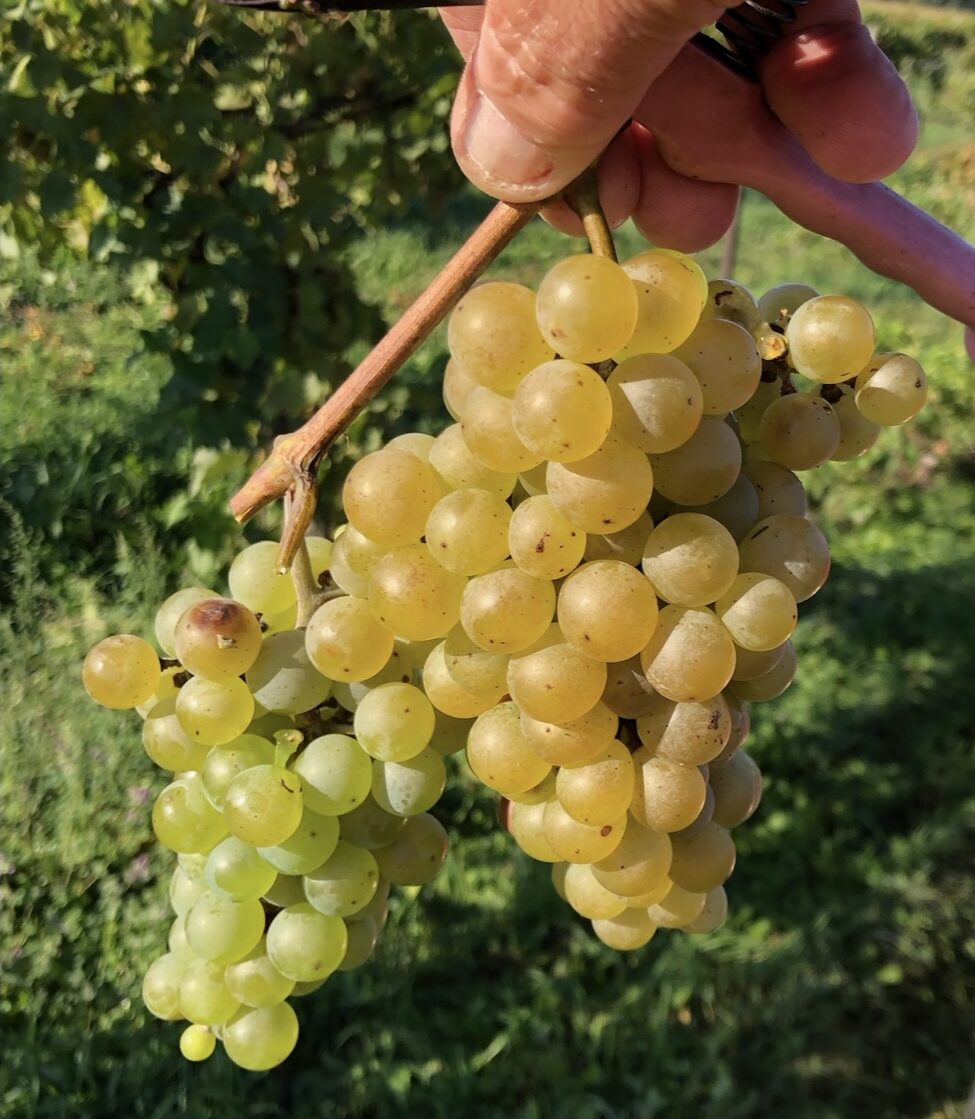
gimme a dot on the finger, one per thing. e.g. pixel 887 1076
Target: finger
pixel 835 89
pixel 549 84
pixel 673 211
pixel 464 26
pixel 618 175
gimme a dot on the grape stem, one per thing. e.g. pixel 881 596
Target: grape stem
pixel 292 465
pixel 582 196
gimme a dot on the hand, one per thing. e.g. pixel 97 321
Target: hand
pixel 549 83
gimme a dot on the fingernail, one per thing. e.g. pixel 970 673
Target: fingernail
pixel 499 151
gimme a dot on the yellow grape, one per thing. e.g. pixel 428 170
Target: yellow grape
pixel 778 490
pixel 218 638
pixel 667 797
pixel 170 613
pixel 690 656
pixel 506 610
pixel 160 987
pixel 335 773
pixel 526 822
pixel 670 291
pixel 857 433
pixel 197 1043
pixel 657 402
pixel 629 930
pixel 778 304
pixel 605 492
pixel 459 469
pixel 737 510
pixel 724 358
pixel 628 692
pixel 891 390
pixel 448 696
pixel 625 545
pixel 749 665
pixel 488 427
pixel 799 431
pixel 587 308
pixel 580 843
pixel 345 641
pixel 345 883
pixel 542 542
pixel 607 610
pixel 203 995
pixel 790 549
pixel 714 913
pixel 677 908
pixel 731 302
pixel 410 787
pixel 467 531
pixel 772 683
pixel 473 668
pixel 601 788
pixel 214 712
pixel 703 468
pixel 256 582
pixel 562 411
pixel 737 786
pixel 639 864
pixel 370 826
pixel 388 496
pixel 165 741
pixel 574 742
pixel 417 854
pixel 457 387
pixel 690 559
pixel 121 672
pixel 758 611
pixel 555 681
pixel 413 596
pixel 687 733
pixel 704 859
pixel 588 896
pixel 498 754
pixel 184 820
pixel 263 805
pixel 831 338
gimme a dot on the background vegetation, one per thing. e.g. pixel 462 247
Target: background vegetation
pixel 205 216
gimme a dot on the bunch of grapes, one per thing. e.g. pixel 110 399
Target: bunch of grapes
pixel 585 581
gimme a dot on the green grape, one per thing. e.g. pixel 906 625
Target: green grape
pixel 193 865
pixel 121 672
pixel 713 915
pixel 831 338
pixel 587 308
pixel 778 490
pixel 773 683
pixel 223 763
pixel 778 304
pixel 266 725
pixel 605 492
pixel 261 1039
pixel 628 692
pixel 308 846
pixel 413 596
pixel 263 805
pixel 690 656
pixel 492 333
pixel 670 290
pixel 388 496
pixel 370 826
pixel 749 415
pixel 306 945
pixel 489 432
pixel 704 860
pixel 255 580
pixel 286 890
pixel 731 302
pixel 575 742
pixel 160 987
pixel 657 402
pixel 344 577
pixel 346 642
pixel 607 610
pixel 409 787
pixel 344 883
pixel 506 610
pixel 799 431
pixel 677 909
pixel 165 689
pixel 467 531
pixel 758 611
pixel 319 550
pixel 302 989
pixel 336 774
pixel 217 638
pixel 857 433
pixel 397 670
pixel 555 681
pixel 599 790
pixel 223 929
pixel 586 894
pixel 542 542
pixel 376 910
pixel 413 442
pixel 197 1043
pixel 498 754
pixel 457 386
pixel 724 358
pixel 473 668
pixel 687 733
pixel 690 559
pixel 416 855
pixel 576 842
pixel 184 820
pixel 358 553
pixel 562 411
pixel 177 942
pixel 460 470
pixel 363 935
pixel 749 665
pixel 737 510
pixel 790 549
pixel 394 722
pixel 165 741
pixel 703 468
pixel 236 870
pixel 281 622
pixel 449 734
pixel 626 932
pixel 625 545
pixel 283 678
pixel 526 823
pixel 667 797
pixel 891 390
pixel 737 786
pixel 203 995
pixel 214 712
pixel 170 613
pixel 640 862
pixel 447 696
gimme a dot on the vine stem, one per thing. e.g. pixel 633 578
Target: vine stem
pixel 292 464
pixel 582 195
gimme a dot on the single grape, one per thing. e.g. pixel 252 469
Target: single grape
pixel 576 842
pixel 605 492
pixel 506 610
pixel 223 763
pixel 690 559
pixel 410 787
pixel 790 549
pixel 263 805
pixel 345 641
pixel 363 935
pixel 690 656
pixel 203 995
pixel 667 797
pixel 218 638
pixel 370 826
pixel 184 891
pixel 690 734
pixel 625 545
pixel 562 411
pixel 542 542
pixel 121 672
pixel 799 431
pixel 286 890
pixel 555 681
pixel 345 883
pixel 255 981
pixel 749 415
pixel 160 987
pixel 731 302
pixel 575 742
pixel 640 863
pixel 773 683
pixel 170 613
pixel 255 580
pixel 413 596
pixel 261 1039
pixel 308 846
pixel 449 697
pixel 626 932
pixel 750 665
pixel 891 390
pixel 394 722
pixel 737 786
pixel 214 712
pixel 236 870
pixel 197 1043
pixel 703 468
pixel 704 860
pixel 758 611
pixel 472 668
pixel 724 358
pixel 628 692
pixel 737 510
pixel 459 469
pixel 587 308
pixel 223 929
pixel 600 789
pixel 388 496
pixel 306 945
pixel 714 913
pixel 167 743
pixel 657 402
pixel 457 386
pixel 467 531
pixel 831 338
pixel 857 433
pixel 778 304
pixel 499 755
pixel 677 909
pixel 587 896
pixel 607 610
pixel 670 290
pixel 488 427
pixel 283 678
pixel 416 854
pixel 184 820
pixel 778 490
pixel 526 823
pixel 335 773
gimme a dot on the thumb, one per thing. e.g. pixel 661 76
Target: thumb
pixel 550 82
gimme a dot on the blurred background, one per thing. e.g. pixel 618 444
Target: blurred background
pixel 206 217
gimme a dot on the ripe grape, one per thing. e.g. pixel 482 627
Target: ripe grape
pixel 575 741
pixel 778 490
pixel 857 433
pixel 223 763
pixel 506 610
pixel 203 995
pixel 562 411
pixel 628 692
pixel 778 304
pixel 576 842
pixel 690 559
pixel 667 797
pixel 449 697
pixel 197 1043
pixel 789 548
pixel 724 358
pixel 541 541
pixel 607 610
pixel 335 773
pixel 604 492
pixel 223 929
pixel 370 826
pixel 306 945
pixel 283 678
pixel 388 496
pixel 160 987
pixel 467 531
pixel 714 913
pixel 413 596
pixel 121 672
pixel 170 612
pixel 499 754
pixel 625 545
pixel 640 863
pixel 236 870
pixel 459 469
pixel 165 741
pixel 703 468
pixel 703 860
pixel 891 390
pixel 737 786
pixel 394 722
pixel 773 683
pixel 345 641
pixel 254 981
pixel 263 805
pixel 587 308
pixel 255 580
pixel 416 854
pixel 183 818
pixel 363 934
pixel 758 611
pixel 526 823
pixel 690 656
pixel 308 846
pixel 629 930
pixel 737 510
pixel 214 712
pixel 599 789
pixel 831 338
pixel 344 883
pixel 472 668
pixel 489 431
pixel 261 1039
pixel 555 681
pixel 677 908
pixel 731 302
pixel 409 787
pixel 588 896
pixel 670 290
pixel 690 734
pixel 799 431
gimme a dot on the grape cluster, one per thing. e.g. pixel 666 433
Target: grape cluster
pixel 586 581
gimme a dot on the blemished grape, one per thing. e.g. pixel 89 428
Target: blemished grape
pixel 604 492
pixel 690 559
pixel 489 432
pixel 737 786
pixel 165 741
pixel 731 302
pixel 667 797
pixel 778 490
pixel 799 431
pixel 214 712
pixel 831 338
pixel 394 722
pixel 283 678
pixel 555 681
pixel 263 805
pixel 773 683
pixel 758 611
pixel 505 611
pixel 607 610
pixel 670 291
pixel 160 987
pixel 259 1039
pixel 690 656
pixel 223 929
pixel 789 548
pixel 562 411
pixel 724 358
pixel 704 860
pixel 576 842
pixel 631 929
pixel 542 542
pixel 413 596
pixel 409 787
pixel 640 863
pixel 416 855
pixel 587 308
pixel 857 433
pixel 891 390
pixel 217 638
pixel 170 613
pixel 601 788
pixel 493 335
pixel 388 496
pixel 254 981
pixel 467 531
pixel 306 945
pixel 183 818
pixel 703 468
pixel 121 672
pixel 588 896
pixel 459 469
pixel 500 756
pixel 778 304
pixel 336 774
pixel 344 883
pixel 575 742
pixel 197 1043
pixel 657 402
pixel 690 734
pixel 308 846
pixel 345 641
pixel 256 582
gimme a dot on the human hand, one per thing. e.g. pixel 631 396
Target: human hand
pixel 548 84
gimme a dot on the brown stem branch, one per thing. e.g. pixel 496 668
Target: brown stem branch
pixel 293 461
pixel 308 592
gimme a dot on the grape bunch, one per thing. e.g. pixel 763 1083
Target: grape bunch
pixel 585 582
